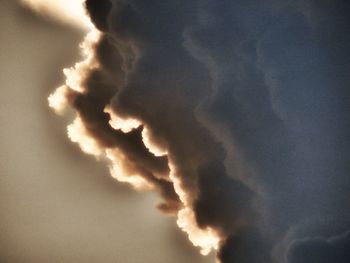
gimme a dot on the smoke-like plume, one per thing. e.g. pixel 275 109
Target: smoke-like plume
pixel 235 112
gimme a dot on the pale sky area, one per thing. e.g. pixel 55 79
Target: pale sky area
pixel 56 204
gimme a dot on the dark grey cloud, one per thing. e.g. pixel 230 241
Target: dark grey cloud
pixel 98 12
pixel 278 97
pixel 321 250
pixel 250 99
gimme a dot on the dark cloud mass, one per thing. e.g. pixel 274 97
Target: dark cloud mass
pixel 251 101
pixel 321 250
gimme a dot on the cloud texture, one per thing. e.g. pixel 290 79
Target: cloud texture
pixel 241 118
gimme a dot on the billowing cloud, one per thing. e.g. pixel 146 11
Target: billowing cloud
pixel 236 112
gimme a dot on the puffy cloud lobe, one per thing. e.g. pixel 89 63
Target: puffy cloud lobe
pixel 249 101
pixel 171 83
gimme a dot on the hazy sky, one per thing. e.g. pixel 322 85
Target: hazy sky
pixel 57 205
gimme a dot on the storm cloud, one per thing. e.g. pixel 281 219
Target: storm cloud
pixel 242 118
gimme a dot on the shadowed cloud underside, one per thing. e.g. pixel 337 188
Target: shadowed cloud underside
pixel 235 112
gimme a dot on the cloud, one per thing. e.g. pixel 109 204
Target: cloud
pixel 321 250
pixel 239 112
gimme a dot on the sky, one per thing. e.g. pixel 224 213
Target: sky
pixel 58 205
pixel 230 118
